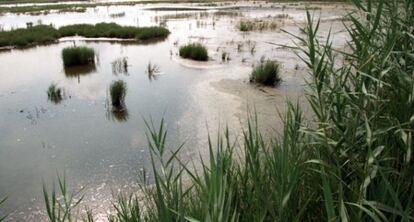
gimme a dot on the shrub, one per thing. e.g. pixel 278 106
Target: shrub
pixel 118 92
pixel 194 51
pixel 74 56
pixel 267 73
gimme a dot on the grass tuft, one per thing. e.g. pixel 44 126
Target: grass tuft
pixel 118 91
pixel 194 51
pixel 76 56
pixel 266 73
pixel 54 93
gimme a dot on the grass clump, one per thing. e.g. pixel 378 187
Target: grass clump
pixel 117 92
pixel 258 24
pixel 54 93
pixel 75 56
pixel 266 73
pixel 194 51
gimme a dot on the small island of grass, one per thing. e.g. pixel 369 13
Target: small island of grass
pixel 76 56
pixel 42 34
pixel 194 51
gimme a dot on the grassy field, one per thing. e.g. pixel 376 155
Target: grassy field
pixel 42 34
pixel 353 161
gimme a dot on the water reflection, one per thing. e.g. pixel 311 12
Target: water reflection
pixel 120 115
pixel 78 71
pixel 120 66
pixel 152 70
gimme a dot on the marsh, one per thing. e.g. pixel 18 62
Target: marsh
pixel 105 153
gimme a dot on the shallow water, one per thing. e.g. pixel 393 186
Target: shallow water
pixel 102 151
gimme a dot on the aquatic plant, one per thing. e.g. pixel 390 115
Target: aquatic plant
pixel 117 91
pixel 194 51
pixel 147 33
pixel 225 57
pixel 59 206
pixel 75 56
pixel 266 73
pixel 258 24
pixel 54 93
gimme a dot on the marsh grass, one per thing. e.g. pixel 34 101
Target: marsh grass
pixel 41 34
pixel 266 73
pixel 225 56
pixel 60 205
pixel 152 71
pixel 117 92
pixel 258 25
pixel 194 51
pixel 54 93
pixel 77 56
pixel 352 161
pixel 3 217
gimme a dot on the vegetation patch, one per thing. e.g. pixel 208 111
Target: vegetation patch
pixel 45 34
pixel 75 56
pixel 266 73
pixel 39 34
pixel 54 93
pixel 258 25
pixel 194 51
pixel 117 92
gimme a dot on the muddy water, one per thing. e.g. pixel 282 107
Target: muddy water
pixel 104 152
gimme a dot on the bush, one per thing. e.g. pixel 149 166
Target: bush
pixel 267 73
pixel 74 56
pixel 194 51
pixel 118 92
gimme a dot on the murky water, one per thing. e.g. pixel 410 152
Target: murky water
pixel 81 137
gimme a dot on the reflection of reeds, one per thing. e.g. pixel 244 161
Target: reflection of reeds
pixel 118 115
pixel 152 71
pixel 77 71
pixel 120 66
